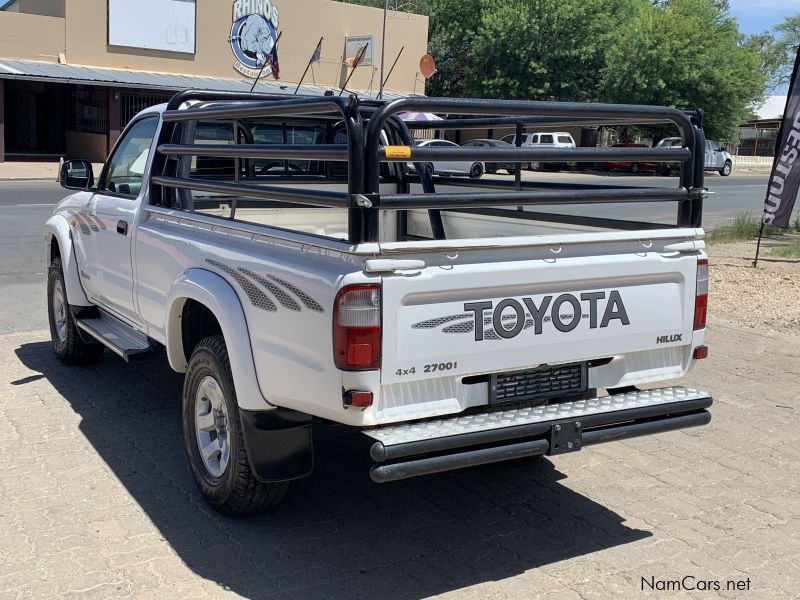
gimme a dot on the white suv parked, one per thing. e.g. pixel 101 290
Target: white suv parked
pixel 550 139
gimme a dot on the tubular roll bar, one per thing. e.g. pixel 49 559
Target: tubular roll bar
pixel 336 152
pixel 265 192
pixel 471 199
pixel 484 123
pixel 364 153
pixel 527 153
pixel 689 197
pixel 241 106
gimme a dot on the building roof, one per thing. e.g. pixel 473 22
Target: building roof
pixel 32 70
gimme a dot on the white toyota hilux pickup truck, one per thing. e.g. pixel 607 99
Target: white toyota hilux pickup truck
pixel 286 259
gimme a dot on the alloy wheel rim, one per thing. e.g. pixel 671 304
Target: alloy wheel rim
pixel 59 310
pixel 211 426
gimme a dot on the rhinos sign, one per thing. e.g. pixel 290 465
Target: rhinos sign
pixel 254 35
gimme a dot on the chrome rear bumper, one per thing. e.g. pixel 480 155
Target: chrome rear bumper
pixel 483 436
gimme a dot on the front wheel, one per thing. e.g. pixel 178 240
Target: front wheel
pixel 535 166
pixel 476 172
pixel 213 436
pixel 726 169
pixel 67 343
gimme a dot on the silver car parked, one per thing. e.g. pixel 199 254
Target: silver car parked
pixel 717 159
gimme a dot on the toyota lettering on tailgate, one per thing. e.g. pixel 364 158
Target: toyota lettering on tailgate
pixel 507 318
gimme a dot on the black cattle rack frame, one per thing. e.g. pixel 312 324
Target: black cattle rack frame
pixel 376 136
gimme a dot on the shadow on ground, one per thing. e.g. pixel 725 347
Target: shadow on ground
pixel 337 534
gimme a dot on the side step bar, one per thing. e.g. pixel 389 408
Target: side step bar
pixel 115 335
pixel 446 444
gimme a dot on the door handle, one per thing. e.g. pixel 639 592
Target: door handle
pixel 122 227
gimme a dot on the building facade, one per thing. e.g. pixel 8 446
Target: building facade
pixel 74 72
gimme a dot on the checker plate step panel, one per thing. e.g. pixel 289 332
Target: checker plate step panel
pixel 512 415
pixel 115 335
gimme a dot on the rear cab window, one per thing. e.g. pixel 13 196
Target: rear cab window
pixel 293 173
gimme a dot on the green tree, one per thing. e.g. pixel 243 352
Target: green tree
pixel 781 53
pixel 773 56
pixel 543 49
pixel 688 54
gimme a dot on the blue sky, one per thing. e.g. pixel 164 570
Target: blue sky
pixel 755 16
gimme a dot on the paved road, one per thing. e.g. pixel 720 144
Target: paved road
pixel 730 197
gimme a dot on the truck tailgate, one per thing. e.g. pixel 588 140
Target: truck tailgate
pixel 494 316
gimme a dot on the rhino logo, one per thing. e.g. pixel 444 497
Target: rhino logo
pixel 254 37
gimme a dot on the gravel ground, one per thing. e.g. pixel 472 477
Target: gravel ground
pixel 761 298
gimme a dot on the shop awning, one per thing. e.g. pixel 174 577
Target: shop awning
pixel 32 70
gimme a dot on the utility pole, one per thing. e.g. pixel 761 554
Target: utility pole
pixel 383 46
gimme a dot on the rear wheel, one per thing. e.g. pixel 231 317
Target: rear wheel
pixel 726 169
pixel 476 171
pixel 213 436
pixel 511 171
pixel 535 166
pixel 68 345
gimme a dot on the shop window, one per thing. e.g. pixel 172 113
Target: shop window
pixel 91 109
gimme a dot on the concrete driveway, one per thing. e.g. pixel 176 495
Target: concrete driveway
pixel 98 500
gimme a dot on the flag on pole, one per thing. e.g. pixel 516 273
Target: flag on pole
pixel 273 62
pixel 784 181
pixel 317 56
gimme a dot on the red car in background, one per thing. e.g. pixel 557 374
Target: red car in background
pixel 633 167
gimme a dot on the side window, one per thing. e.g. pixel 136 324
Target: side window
pixel 714 146
pixel 534 139
pixel 509 139
pixel 126 166
pixel 546 139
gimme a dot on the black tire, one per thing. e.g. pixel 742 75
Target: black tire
pixel 726 169
pixel 663 170
pixel 69 347
pixel 634 168
pixel 511 171
pixel 535 166
pixel 236 491
pixel 476 171
pixel 555 167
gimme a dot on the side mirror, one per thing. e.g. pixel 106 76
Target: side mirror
pixel 76 175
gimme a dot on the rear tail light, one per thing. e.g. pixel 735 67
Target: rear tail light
pixel 700 352
pixel 701 295
pixel 357 327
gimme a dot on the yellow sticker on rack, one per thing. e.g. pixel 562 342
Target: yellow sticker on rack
pixel 397 151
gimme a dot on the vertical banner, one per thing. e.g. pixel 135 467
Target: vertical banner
pixel 784 181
